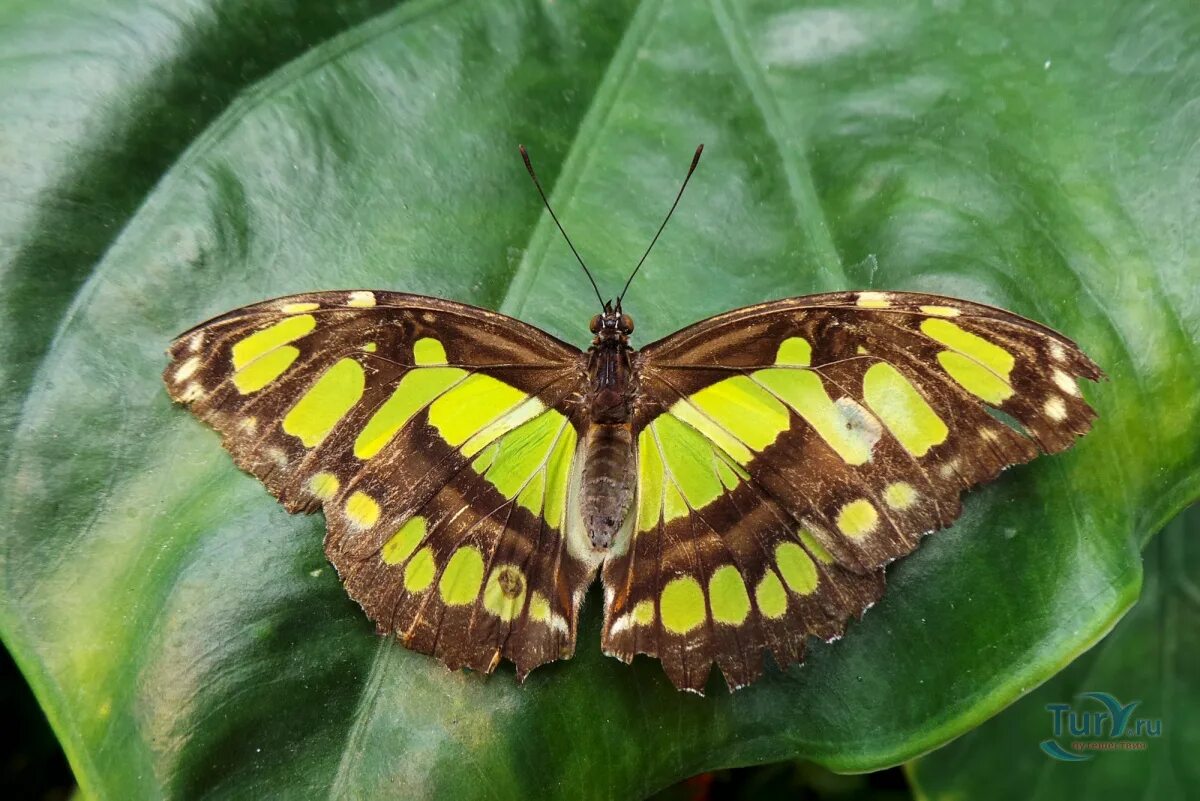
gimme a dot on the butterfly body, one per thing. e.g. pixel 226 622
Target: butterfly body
pixel 608 454
pixel 738 486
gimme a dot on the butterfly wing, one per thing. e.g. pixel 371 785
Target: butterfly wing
pixel 436 437
pixel 788 451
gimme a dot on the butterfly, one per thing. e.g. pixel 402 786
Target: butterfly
pixel 738 486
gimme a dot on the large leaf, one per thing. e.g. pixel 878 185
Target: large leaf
pixel 99 99
pixel 187 636
pixel 1152 657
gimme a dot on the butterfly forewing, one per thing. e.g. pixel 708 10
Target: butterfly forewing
pixel 789 451
pixel 435 436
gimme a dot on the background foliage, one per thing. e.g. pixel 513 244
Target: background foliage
pixel 186 636
pixel 1152 656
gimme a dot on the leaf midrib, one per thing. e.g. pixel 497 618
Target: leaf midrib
pixel 521 281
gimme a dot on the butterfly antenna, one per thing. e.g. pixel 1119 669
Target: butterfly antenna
pixel 553 216
pixel 692 169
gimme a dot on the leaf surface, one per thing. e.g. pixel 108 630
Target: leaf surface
pixel 1150 661
pixel 186 635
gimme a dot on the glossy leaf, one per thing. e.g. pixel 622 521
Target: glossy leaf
pixel 99 100
pixel 1152 657
pixel 186 636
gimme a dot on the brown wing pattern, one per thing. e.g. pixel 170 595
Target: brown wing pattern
pixel 436 438
pixel 804 444
pixel 725 557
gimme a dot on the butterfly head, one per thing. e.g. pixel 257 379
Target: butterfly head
pixel 611 325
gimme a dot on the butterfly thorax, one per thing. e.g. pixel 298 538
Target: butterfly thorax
pixel 610 375
pixel 608 459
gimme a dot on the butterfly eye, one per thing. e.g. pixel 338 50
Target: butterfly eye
pixel 594 325
pixel 626 324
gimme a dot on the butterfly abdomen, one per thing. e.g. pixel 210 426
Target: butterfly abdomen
pixel 608 476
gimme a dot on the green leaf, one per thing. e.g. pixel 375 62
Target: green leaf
pixel 99 100
pixel 186 636
pixel 1150 657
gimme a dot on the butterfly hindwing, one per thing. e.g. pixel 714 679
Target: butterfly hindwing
pixel 723 583
pixel 468 570
pixel 434 436
pixel 806 443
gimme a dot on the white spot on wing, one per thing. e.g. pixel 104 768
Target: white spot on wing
pixel 1065 382
pixel 874 300
pixel 861 423
pixel 1055 408
pixel 187 369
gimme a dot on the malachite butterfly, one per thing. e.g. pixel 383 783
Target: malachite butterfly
pixel 738 486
